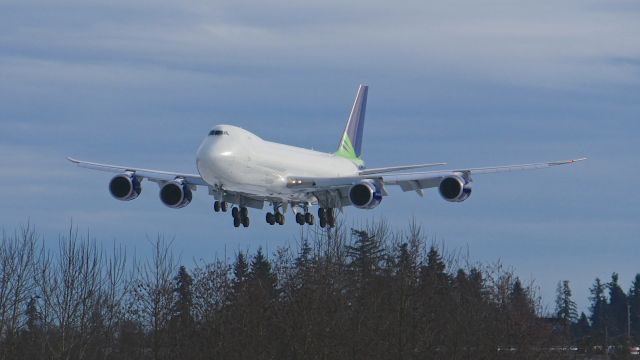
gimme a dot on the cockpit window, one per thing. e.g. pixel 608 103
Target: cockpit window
pixel 218 132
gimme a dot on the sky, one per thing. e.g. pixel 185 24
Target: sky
pixel 471 83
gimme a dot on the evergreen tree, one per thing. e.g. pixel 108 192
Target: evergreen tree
pixel 566 309
pixel 519 299
pixel 34 320
pixel 581 328
pixel 303 260
pixel 433 274
pixel 634 303
pixel 240 274
pixel 598 309
pixel 476 282
pixel 435 264
pixel 261 275
pixel 405 264
pixel 617 309
pixel 181 322
pixel 183 299
pixel 366 254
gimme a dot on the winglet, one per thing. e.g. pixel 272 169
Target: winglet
pixel 565 162
pixel 73 160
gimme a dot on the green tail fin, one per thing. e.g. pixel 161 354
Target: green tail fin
pixel 350 146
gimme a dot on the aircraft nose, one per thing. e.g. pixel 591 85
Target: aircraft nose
pixel 214 150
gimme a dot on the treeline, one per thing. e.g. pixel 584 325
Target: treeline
pixel 371 293
pixel 613 323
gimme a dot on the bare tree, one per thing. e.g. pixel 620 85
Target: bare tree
pixel 152 295
pixel 17 253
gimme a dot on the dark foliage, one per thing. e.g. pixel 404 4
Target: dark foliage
pixel 370 294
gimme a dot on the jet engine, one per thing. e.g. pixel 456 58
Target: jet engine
pixel 175 194
pixel 125 187
pixel 455 188
pixel 366 194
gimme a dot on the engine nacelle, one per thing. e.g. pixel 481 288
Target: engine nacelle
pixel 455 189
pixel 175 194
pixel 365 195
pixel 125 187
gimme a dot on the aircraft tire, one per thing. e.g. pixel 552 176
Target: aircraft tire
pixel 224 206
pixel 236 221
pixel 271 219
pixel 216 206
pixel 331 219
pixel 300 219
pixel 245 221
pixel 235 212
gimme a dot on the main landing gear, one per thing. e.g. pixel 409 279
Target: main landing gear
pixel 240 216
pixel 326 217
pixel 276 217
pixel 220 206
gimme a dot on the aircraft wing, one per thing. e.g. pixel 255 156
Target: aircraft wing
pixel 151 175
pixel 429 179
pixel 397 168
pixel 334 191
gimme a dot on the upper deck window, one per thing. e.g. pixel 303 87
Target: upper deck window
pixel 218 132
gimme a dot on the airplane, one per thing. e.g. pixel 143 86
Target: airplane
pixel 237 167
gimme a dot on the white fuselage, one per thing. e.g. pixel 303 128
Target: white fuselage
pixel 237 160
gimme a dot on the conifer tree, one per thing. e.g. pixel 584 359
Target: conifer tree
pixel 581 328
pixel 240 273
pixel 566 309
pixel 598 310
pixel 184 298
pixel 181 323
pixel 261 275
pixel 519 299
pixel 634 303
pixel 405 264
pixel 617 308
pixel 433 275
pixel 366 255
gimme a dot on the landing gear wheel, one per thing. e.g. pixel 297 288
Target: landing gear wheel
pixel 245 221
pixel 279 218
pixel 322 214
pixel 323 222
pixel 224 206
pixel 236 221
pixel 244 212
pixel 216 206
pixel 235 212
pixel 271 219
pixel 300 219
pixel 308 218
pixel 331 220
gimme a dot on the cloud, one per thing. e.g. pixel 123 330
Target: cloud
pixel 463 81
pixel 542 43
